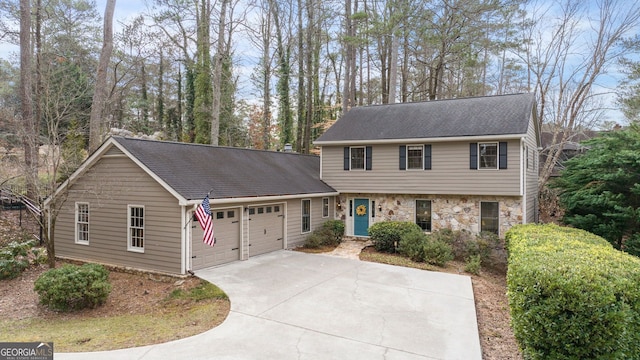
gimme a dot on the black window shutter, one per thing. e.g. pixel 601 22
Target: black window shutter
pixel 473 156
pixel 503 155
pixel 403 157
pixel 427 157
pixel 368 151
pixel 346 158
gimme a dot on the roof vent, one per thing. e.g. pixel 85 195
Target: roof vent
pixel 288 148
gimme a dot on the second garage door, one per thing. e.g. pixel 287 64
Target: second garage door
pixel 266 229
pixel 226 225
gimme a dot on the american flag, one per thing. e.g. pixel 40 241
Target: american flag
pixel 203 214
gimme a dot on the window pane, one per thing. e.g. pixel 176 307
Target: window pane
pixel 276 208
pixel 269 209
pixel 231 214
pixel 423 214
pixel 488 155
pixel 306 215
pixel 136 227
pixel 260 210
pixel 325 207
pixel 414 157
pixel 489 217
pixel 357 158
pixel 252 211
pixel 220 215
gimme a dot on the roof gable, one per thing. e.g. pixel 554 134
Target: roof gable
pixel 476 116
pixel 193 170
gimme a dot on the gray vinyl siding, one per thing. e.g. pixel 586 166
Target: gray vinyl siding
pixel 295 237
pixel 450 173
pixel 109 186
pixel 532 174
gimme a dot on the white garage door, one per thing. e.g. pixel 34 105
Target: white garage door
pixel 266 229
pixel 226 227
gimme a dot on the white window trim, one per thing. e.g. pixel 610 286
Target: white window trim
pixel 144 239
pixel 328 207
pixel 480 217
pixel 415 204
pixel 76 222
pixel 406 155
pixel 302 216
pixel 497 156
pixel 364 158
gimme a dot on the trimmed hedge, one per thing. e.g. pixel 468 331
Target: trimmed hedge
pixel 572 295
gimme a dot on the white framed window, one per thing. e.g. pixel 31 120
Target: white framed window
pixel 488 155
pixel 415 157
pixel 135 241
pixel 306 215
pixel 357 158
pixel 82 223
pixel 423 214
pixel 490 217
pixel 325 207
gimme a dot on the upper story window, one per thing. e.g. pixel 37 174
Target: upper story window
pixel 82 223
pixel 488 155
pixel 415 157
pixel 357 158
pixel 136 228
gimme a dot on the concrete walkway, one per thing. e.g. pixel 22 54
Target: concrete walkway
pixel 291 305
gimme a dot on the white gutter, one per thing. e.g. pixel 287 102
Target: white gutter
pixel 421 140
pixel 237 200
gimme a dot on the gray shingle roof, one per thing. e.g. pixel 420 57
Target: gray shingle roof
pixel 192 170
pixel 476 116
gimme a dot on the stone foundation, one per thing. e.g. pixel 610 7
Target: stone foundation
pixel 455 212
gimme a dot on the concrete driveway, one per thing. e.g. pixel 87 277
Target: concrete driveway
pixel 291 305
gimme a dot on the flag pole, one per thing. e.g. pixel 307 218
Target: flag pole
pixel 191 217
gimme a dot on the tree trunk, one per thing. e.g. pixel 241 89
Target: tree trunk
pixel 217 74
pixel 100 93
pixel 29 130
pixel 301 95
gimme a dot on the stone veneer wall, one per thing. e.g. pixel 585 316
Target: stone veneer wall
pixel 455 212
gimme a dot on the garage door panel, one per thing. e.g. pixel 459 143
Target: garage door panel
pixel 266 229
pixel 226 229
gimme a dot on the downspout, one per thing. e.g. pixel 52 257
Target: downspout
pixel 183 241
pixel 523 178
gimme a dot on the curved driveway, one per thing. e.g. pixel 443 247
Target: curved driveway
pixel 292 305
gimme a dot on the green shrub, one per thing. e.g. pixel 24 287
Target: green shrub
pixel 335 228
pixel 572 296
pixel 386 235
pixel 437 252
pixel 330 234
pixel 412 244
pixel 14 259
pixel 473 264
pixel 73 287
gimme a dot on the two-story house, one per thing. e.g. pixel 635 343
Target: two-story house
pixel 468 163
pixel 461 164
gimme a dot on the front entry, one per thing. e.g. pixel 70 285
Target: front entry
pixel 361 217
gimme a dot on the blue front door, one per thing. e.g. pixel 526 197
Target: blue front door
pixel 361 217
